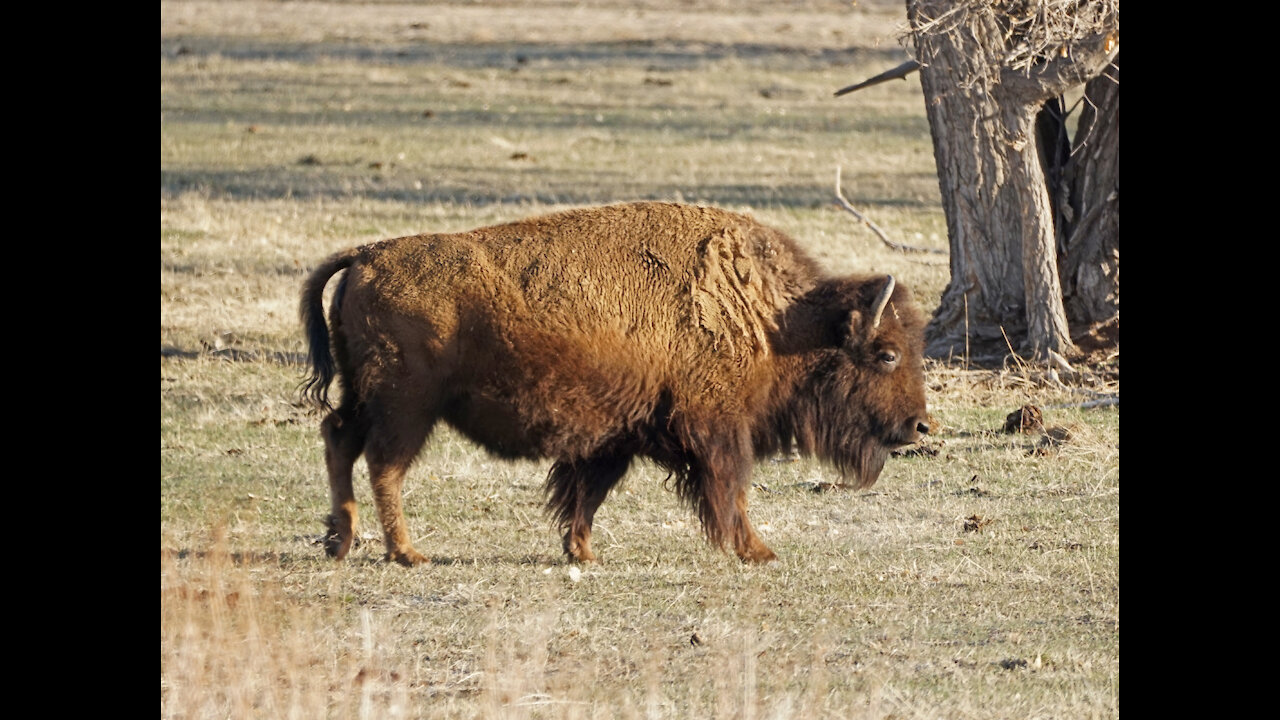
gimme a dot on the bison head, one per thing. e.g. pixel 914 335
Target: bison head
pixel 859 391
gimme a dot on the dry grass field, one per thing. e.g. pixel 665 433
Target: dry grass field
pixel 978 579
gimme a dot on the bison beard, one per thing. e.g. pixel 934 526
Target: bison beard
pixel 692 336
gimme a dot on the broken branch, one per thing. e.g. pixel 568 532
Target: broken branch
pixel 899 73
pixel 875 228
pixel 1099 402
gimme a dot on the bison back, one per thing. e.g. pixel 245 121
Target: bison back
pixel 551 334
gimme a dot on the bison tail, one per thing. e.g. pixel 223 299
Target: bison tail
pixel 315 387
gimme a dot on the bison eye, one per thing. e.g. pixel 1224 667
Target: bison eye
pixel 888 357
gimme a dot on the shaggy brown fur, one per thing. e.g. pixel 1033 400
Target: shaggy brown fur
pixel 693 336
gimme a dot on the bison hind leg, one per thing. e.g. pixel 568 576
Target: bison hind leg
pixel 344 435
pixel 575 490
pixel 389 454
pixel 399 422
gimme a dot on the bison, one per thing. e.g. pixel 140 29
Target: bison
pixel 693 336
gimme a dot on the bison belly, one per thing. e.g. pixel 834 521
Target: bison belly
pixel 552 399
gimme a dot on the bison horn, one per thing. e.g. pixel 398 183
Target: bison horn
pixel 881 301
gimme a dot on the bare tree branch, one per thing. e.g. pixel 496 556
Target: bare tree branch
pixel 1099 402
pixel 1073 65
pixel 899 73
pixel 1060 362
pixel 875 228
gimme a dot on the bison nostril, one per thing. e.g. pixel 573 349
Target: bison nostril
pixel 923 427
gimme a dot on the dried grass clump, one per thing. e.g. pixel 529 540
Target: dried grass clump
pixel 232 645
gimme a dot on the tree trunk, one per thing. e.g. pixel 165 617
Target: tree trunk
pixel 1090 244
pixel 985 294
pixel 1005 290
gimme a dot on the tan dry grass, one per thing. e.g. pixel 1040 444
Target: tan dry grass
pixel 883 604
pixel 811 25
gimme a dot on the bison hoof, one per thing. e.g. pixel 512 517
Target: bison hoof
pixel 407 557
pixel 584 558
pixel 758 555
pixel 578 551
pixel 336 543
pixel 335 547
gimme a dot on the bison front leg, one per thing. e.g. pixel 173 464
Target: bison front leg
pixel 746 543
pixel 574 492
pixel 717 483
pixel 343 443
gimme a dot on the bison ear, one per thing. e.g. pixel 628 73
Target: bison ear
pixel 853 330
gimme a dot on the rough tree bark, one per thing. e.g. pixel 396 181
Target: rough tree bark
pixel 1089 241
pixel 983 90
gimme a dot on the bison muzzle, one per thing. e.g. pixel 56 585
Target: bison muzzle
pixel 692 336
